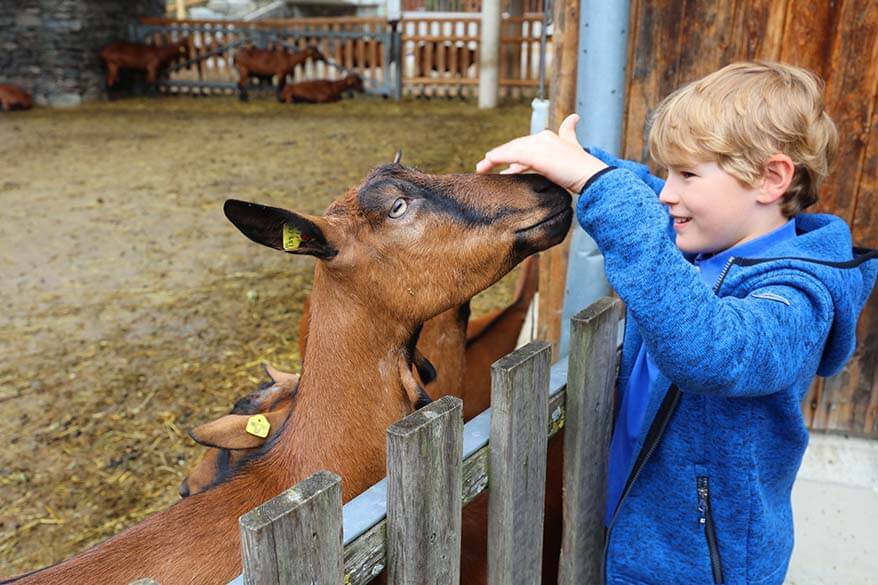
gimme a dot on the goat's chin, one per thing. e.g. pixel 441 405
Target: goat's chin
pixel 549 232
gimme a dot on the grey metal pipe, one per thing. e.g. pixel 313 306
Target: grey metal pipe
pixel 600 101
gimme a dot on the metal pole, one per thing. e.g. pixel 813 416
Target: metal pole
pixel 600 99
pixel 489 55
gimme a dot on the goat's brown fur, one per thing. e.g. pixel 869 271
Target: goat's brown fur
pixel 320 91
pixel 377 281
pixel 13 97
pixel 270 62
pixel 149 58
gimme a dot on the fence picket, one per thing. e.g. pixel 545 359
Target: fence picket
pixel 519 411
pixel 295 537
pixel 423 495
pixel 590 381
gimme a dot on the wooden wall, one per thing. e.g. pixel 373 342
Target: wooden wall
pixel 676 41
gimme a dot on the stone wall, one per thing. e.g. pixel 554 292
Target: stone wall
pixel 50 47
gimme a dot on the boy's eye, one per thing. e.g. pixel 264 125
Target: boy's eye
pixel 686 174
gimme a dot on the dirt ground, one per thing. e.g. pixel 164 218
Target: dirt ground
pixel 133 310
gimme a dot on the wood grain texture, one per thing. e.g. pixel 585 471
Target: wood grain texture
pixel 590 382
pixel 295 537
pixel 757 30
pixel 653 71
pixel 424 452
pixel 553 262
pixel 519 411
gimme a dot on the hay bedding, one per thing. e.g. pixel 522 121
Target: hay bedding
pixel 133 310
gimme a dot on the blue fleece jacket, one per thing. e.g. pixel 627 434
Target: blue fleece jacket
pixel 634 398
pixel 708 500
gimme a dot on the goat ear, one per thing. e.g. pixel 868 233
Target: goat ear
pixel 230 431
pixel 397 157
pixel 226 432
pixel 279 376
pixel 280 229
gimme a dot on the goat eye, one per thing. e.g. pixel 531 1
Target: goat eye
pixel 399 207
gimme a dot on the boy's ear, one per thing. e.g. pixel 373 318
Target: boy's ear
pixel 281 229
pixel 779 172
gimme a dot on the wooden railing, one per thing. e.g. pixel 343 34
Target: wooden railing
pixel 441 54
pixel 528 6
pixel 358 44
pixel 435 464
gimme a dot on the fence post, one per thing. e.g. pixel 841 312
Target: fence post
pixel 591 377
pixel 424 482
pixel 519 411
pixel 296 537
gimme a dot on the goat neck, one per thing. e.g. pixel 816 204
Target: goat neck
pixel 351 378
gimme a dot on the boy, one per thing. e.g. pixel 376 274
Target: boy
pixel 728 321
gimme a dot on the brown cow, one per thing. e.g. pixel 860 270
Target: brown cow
pixel 13 97
pixel 270 62
pixel 320 91
pixel 150 58
pixel 398 249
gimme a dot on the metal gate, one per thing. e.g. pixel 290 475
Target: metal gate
pixel 362 45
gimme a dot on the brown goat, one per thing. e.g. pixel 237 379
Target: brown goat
pixel 13 97
pixel 398 249
pixel 320 91
pixel 487 339
pixel 270 62
pixel 149 58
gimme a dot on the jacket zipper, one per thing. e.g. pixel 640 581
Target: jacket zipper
pixel 706 520
pixel 650 447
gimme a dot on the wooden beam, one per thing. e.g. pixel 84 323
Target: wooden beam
pixel 553 263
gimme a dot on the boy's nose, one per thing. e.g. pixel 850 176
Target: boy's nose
pixel 667 196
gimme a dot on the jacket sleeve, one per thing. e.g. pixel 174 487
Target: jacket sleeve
pixel 724 346
pixel 641 171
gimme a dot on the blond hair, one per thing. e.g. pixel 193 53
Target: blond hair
pixel 743 114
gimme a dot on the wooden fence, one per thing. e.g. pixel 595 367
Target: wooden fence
pixel 410 523
pixel 526 6
pixel 359 44
pixel 440 53
pixel 674 42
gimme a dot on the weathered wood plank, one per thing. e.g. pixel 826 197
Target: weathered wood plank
pixel 562 92
pixel 808 35
pixel 757 31
pixel 857 35
pixel 365 557
pixel 590 382
pixel 519 411
pixel 865 228
pixel 706 33
pixel 653 70
pixel 295 537
pixel 423 495
pixel 849 393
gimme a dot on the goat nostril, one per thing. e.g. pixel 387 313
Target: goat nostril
pixel 184 490
pixel 542 185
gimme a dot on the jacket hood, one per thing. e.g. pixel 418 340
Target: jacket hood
pixel 823 248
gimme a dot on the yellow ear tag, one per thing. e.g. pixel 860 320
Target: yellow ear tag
pixel 258 426
pixel 292 237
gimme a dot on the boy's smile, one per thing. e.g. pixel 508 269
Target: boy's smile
pixel 712 211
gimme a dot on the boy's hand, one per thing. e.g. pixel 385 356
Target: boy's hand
pixel 558 157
